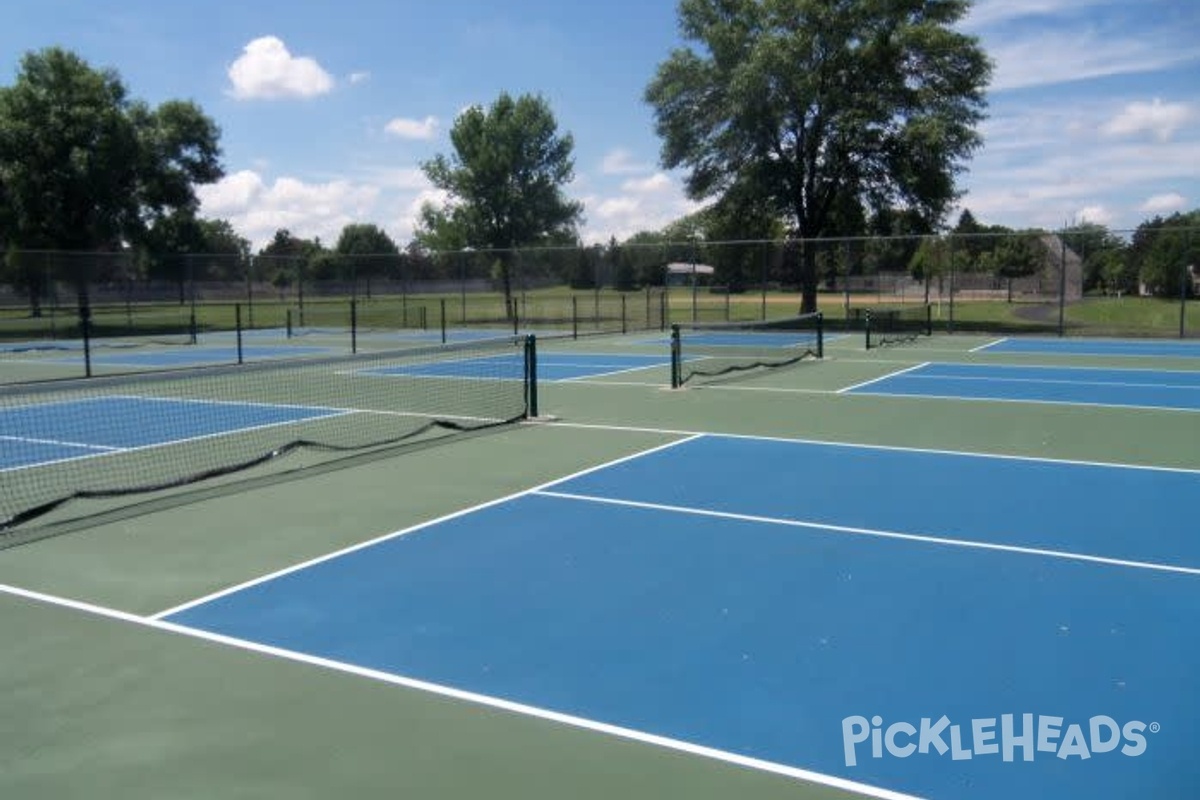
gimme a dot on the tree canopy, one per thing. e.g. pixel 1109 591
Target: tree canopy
pixel 504 180
pixel 817 107
pixel 83 166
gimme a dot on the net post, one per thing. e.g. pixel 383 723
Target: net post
pixel 664 308
pixel 676 358
pixel 516 318
pixel 288 322
pixel 820 335
pixel 531 393
pixel 353 325
pixel 867 326
pixel 624 323
pixel 443 305
pixel 192 338
pixel 237 322
pixel 85 326
pixel 574 317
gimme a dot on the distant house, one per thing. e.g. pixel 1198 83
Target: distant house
pixel 681 273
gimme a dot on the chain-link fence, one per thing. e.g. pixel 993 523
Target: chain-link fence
pixel 1075 282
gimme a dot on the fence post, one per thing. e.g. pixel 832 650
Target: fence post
pixel 85 324
pixel 237 321
pixel 1062 285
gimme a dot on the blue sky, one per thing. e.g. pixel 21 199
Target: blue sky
pixel 327 109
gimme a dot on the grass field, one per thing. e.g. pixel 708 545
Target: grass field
pixel 559 307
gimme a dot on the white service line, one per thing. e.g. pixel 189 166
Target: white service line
pixel 883 378
pixel 1064 555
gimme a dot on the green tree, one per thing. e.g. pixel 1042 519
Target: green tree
pixel 505 182
pixel 1016 256
pixel 809 104
pixel 365 251
pixel 84 167
pixel 1101 251
pixel 1163 250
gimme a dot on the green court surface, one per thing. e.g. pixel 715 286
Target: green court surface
pixel 99 699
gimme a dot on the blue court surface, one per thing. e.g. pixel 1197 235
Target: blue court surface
pixel 862 613
pixel 46 433
pixel 1096 347
pixel 552 366
pixel 1132 388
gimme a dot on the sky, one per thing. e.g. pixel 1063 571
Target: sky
pixel 328 109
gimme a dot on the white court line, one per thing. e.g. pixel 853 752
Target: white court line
pixel 883 378
pixel 60 443
pixel 983 347
pixel 441 690
pixel 1068 403
pixel 881 447
pixel 1064 555
pixel 1056 382
pixel 405 531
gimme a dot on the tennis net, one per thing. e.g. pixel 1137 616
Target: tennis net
pixel 715 351
pixel 886 326
pixel 115 437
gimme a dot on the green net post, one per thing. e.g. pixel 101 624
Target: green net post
pixel 531 394
pixel 443 305
pixel 867 326
pixel 820 335
pixel 237 321
pixel 624 323
pixel 353 325
pixel 574 317
pixel 516 318
pixel 676 358
pixel 928 320
pixel 288 322
pixel 85 327
pixel 192 337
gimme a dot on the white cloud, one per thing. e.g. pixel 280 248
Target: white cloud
pixel 266 70
pixel 421 129
pixel 1063 56
pixel 659 182
pixel 257 208
pixel 1157 118
pixel 1096 215
pixel 985 13
pixel 621 162
pixel 1164 203
pixel 356 78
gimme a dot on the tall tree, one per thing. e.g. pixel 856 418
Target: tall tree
pixel 365 251
pixel 84 167
pixel 812 103
pixel 505 182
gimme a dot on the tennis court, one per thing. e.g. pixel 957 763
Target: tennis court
pixel 116 424
pixel 765 587
pixel 1175 389
pixel 1095 347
